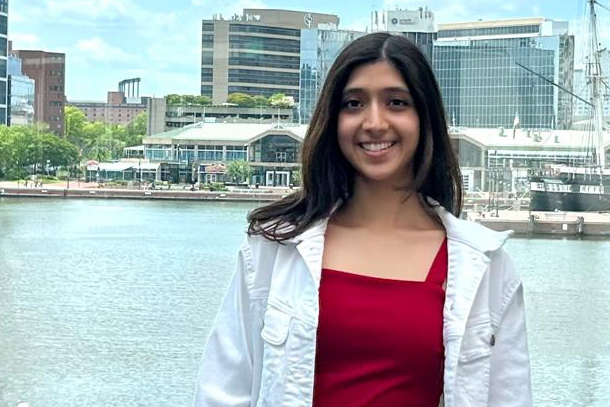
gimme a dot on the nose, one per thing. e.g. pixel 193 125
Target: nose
pixel 374 120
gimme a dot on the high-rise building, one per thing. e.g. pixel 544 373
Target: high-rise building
pixel 20 94
pixel 492 73
pixel 417 25
pixel 257 53
pixel 3 61
pixel 48 71
pixel 319 48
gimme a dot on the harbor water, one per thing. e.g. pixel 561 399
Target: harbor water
pixel 108 303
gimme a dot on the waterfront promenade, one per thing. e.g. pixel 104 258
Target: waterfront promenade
pixel 174 192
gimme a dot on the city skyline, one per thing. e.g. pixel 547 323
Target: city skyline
pixel 107 41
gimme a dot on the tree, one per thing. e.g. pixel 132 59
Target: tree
pixel 261 101
pixel 203 100
pixel 241 99
pixel 173 99
pixel 239 170
pixel 75 121
pixel 280 100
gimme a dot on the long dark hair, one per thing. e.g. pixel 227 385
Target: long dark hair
pixel 327 177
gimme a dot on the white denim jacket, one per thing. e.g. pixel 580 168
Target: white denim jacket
pixel 261 349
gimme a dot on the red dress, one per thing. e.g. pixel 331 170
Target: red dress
pixel 380 341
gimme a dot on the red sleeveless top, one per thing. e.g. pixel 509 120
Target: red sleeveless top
pixel 380 341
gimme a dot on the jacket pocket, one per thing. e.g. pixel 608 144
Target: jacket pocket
pixel 473 371
pixel 276 328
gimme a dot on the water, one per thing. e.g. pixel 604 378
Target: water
pixel 107 303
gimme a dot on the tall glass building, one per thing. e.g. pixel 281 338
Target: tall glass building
pixel 3 61
pixel 319 48
pixel 257 53
pixel 20 95
pixel 481 70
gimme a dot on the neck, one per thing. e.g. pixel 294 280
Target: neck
pixel 384 208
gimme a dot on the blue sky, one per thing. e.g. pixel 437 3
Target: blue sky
pixel 106 41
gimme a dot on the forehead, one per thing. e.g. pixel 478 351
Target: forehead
pixel 375 76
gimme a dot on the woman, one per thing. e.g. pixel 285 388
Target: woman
pixel 363 288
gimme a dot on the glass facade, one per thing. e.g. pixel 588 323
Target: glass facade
pixel 483 86
pixel 319 48
pixel 263 43
pixel 275 149
pixel 258 76
pixel 21 100
pixel 263 60
pixel 488 31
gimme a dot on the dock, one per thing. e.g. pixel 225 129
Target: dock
pixel 253 195
pixel 568 224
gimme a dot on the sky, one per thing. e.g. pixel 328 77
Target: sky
pixel 106 41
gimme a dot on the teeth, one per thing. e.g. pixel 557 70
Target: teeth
pixel 377 146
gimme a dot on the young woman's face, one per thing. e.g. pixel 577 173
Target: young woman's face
pixel 378 125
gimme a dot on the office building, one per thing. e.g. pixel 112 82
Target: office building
pixel 257 53
pixel 417 25
pixel 20 94
pixel 492 73
pixel 319 48
pixel 117 109
pixel 48 69
pixel 4 86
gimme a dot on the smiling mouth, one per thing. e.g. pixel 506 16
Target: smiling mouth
pixel 377 146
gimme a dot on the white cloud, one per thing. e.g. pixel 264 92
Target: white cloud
pixel 98 50
pixel 23 40
pixel 94 9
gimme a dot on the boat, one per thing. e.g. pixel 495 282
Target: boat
pixel 584 187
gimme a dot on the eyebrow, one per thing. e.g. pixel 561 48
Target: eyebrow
pixel 348 91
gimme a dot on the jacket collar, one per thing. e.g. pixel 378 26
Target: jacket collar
pixel 472 234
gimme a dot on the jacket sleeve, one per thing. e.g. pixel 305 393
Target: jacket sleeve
pixel 225 374
pixel 510 365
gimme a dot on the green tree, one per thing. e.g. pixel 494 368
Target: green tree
pixel 173 99
pixel 261 101
pixel 136 130
pixel 203 100
pixel 241 171
pixel 75 122
pixel 280 100
pixel 241 99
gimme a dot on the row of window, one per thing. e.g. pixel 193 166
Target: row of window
pixel 207 26
pixel 207 41
pixel 254 76
pixel 473 32
pixel 206 74
pixel 56 88
pixel 3 25
pixel 246 28
pixel 207 57
pixel 270 61
pixel 3 46
pixel 3 6
pixel 55 72
pixel 264 44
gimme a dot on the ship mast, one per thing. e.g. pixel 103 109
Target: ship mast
pixel 594 73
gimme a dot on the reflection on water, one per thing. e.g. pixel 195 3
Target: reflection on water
pixel 108 303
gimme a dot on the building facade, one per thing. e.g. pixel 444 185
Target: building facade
pixel 257 53
pixel 163 117
pixel 21 94
pixel 116 110
pixel 484 70
pixel 319 48
pixel 4 85
pixel 48 69
pixel 201 152
pixel 417 25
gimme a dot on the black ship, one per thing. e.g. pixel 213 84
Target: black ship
pixel 586 187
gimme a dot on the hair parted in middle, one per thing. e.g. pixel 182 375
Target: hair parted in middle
pixel 327 177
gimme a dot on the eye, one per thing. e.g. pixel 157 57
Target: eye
pixel 398 103
pixel 351 104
